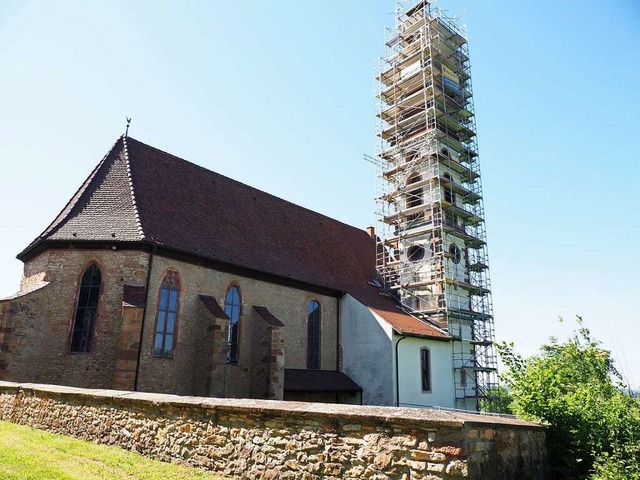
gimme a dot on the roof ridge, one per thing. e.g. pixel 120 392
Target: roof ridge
pixel 131 189
pixel 333 220
pixel 72 201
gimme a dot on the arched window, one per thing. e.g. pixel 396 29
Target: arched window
pixel 167 318
pixel 233 309
pixel 313 335
pixel 86 309
pixel 414 197
pixel 449 194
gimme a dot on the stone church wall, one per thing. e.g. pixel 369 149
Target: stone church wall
pixel 258 439
pixel 180 375
pixel 35 328
pixel 36 347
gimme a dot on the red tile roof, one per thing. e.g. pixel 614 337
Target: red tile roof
pixel 141 194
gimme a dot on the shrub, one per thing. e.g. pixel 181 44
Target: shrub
pixel 573 387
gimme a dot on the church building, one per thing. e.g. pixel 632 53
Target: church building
pixel 162 276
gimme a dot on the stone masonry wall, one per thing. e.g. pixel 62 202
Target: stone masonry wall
pixel 183 373
pixel 262 439
pixel 35 328
pixel 37 325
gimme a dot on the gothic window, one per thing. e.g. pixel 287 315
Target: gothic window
pixel 86 309
pixel 166 320
pixel 425 369
pixel 233 309
pixel 313 335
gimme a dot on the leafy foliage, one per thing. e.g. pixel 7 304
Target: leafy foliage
pixel 594 427
pixel 500 401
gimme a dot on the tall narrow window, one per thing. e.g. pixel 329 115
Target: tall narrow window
pixel 414 198
pixel 463 379
pixel 167 317
pixel 449 194
pixel 232 307
pixel 456 253
pixel 313 335
pixel 86 309
pixel 425 368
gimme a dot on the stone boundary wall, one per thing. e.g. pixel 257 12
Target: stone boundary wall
pixel 265 439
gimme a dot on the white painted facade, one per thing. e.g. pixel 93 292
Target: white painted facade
pixel 367 351
pixel 369 358
pixel 442 393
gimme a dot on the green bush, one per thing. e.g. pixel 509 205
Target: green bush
pixel 622 464
pixel 573 387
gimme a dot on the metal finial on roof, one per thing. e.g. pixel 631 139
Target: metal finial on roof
pixel 126 132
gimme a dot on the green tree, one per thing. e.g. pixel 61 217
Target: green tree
pixel 573 387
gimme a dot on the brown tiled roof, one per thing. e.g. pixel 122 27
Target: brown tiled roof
pixel 187 207
pixel 103 208
pixel 141 194
pixel 268 316
pixel 133 296
pixel 384 306
pixel 213 307
pixel 299 380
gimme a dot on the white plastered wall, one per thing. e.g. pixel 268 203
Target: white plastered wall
pixel 367 351
pixel 442 392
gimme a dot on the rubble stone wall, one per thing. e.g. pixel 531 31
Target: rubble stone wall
pixel 263 439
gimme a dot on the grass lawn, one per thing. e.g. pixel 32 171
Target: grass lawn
pixel 30 454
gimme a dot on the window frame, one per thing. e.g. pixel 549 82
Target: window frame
pixel 91 264
pixel 170 279
pixel 425 370
pixel 230 360
pixel 415 198
pixel 449 194
pixel 309 363
pixel 456 253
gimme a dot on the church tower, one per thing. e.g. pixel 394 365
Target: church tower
pixel 432 252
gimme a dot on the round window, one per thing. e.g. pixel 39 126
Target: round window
pixel 415 253
pixel 456 253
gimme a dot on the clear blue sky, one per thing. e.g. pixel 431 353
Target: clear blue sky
pixel 279 94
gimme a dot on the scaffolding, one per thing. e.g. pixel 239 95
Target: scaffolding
pixel 432 252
